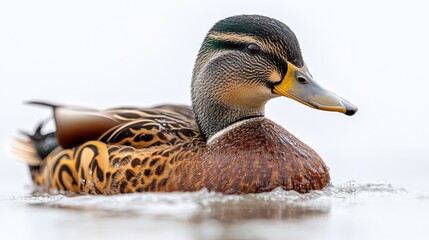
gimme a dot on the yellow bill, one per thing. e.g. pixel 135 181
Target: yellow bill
pixel 300 86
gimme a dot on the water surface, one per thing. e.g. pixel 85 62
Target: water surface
pixel 347 211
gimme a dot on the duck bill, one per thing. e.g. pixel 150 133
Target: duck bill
pixel 300 86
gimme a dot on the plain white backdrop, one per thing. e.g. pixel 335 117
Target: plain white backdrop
pixel 101 54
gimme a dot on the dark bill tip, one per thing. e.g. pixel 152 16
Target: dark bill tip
pixel 350 108
pixel 350 112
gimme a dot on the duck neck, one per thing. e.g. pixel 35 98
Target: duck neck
pixel 212 116
pixel 216 106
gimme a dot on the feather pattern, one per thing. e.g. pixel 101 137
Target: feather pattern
pixel 158 149
pixel 222 143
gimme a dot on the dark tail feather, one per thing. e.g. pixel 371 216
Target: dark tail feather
pixel 44 143
pixel 35 147
pixel 42 103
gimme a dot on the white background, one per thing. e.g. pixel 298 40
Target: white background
pixel 110 53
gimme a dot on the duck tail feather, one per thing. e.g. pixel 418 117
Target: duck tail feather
pixel 34 147
pixel 43 103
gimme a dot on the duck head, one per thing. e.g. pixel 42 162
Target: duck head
pixel 245 61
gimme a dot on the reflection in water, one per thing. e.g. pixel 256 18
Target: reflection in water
pixel 212 216
pixel 250 208
pixel 199 206
pixel 195 207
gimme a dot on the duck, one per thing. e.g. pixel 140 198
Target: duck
pixel 222 142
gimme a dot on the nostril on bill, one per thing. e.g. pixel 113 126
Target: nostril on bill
pixel 302 80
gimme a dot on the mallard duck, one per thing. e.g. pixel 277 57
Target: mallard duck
pixel 223 142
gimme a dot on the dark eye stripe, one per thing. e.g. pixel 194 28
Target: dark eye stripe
pixel 214 44
pixel 226 45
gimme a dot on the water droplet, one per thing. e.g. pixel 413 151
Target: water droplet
pixel 89 172
pixel 117 165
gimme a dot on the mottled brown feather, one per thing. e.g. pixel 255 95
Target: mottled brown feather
pixel 75 126
pixel 257 156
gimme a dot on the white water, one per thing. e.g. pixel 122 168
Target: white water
pixel 348 211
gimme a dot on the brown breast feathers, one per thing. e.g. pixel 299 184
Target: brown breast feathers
pixel 259 156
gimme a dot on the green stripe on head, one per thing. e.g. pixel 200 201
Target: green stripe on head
pixel 267 30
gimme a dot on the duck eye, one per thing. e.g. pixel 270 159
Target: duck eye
pixel 253 48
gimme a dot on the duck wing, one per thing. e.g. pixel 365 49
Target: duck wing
pixel 160 125
pixel 137 127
